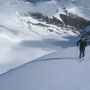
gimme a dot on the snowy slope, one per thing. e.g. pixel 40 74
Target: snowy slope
pixel 86 33
pixel 23 38
pixel 21 42
pixel 54 58
pixel 60 70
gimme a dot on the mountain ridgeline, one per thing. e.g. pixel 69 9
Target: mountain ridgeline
pixel 72 21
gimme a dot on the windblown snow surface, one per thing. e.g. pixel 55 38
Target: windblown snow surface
pixel 54 57
pixel 60 70
pixel 21 42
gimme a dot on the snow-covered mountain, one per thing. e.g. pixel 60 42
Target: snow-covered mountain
pixel 79 7
pixel 86 34
pixel 43 33
pixel 21 36
pixel 28 27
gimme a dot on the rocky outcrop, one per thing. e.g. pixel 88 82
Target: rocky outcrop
pixel 73 20
pixel 68 21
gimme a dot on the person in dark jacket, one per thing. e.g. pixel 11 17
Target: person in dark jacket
pixel 82 45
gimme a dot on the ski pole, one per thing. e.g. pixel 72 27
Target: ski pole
pixel 76 51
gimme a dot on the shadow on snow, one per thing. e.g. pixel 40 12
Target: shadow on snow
pixel 50 43
pixel 54 59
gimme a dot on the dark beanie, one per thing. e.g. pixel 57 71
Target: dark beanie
pixel 82 37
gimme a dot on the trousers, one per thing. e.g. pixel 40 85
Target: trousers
pixel 82 52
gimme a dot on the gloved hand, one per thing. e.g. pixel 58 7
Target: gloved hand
pixel 85 46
